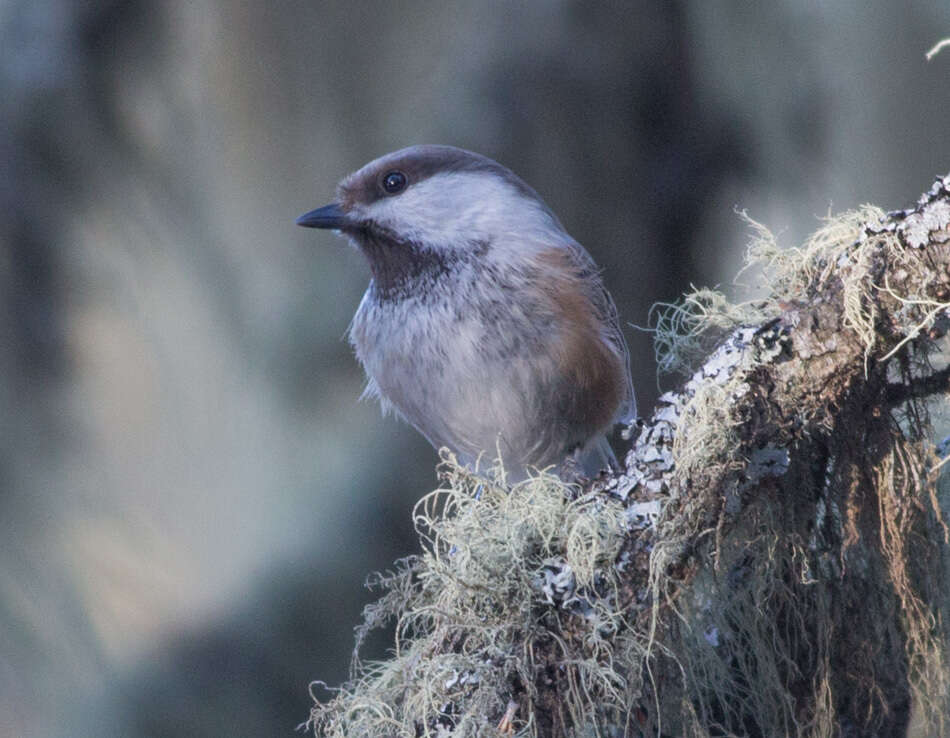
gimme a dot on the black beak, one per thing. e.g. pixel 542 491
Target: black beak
pixel 329 216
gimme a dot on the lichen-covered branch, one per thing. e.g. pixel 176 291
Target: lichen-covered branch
pixel 771 561
pixel 784 444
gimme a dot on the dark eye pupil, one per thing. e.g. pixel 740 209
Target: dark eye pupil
pixel 394 182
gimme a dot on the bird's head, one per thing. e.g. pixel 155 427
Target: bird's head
pixel 434 200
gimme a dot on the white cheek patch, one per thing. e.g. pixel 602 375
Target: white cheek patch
pixel 456 209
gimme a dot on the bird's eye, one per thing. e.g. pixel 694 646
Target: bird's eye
pixel 394 182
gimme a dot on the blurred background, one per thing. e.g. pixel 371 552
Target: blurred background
pixel 190 493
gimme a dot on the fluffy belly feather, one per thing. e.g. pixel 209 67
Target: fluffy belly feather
pixel 438 375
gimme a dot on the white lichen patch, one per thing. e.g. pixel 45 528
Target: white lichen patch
pixel 643 514
pixel 556 581
pixel 918 227
pixel 659 449
pixel 707 427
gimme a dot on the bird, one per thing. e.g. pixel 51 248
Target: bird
pixel 485 325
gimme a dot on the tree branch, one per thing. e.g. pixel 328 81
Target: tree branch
pixel 771 561
pixel 933 384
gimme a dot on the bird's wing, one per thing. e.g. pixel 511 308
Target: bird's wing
pixel 610 320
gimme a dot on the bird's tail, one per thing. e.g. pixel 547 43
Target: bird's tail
pixel 595 457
